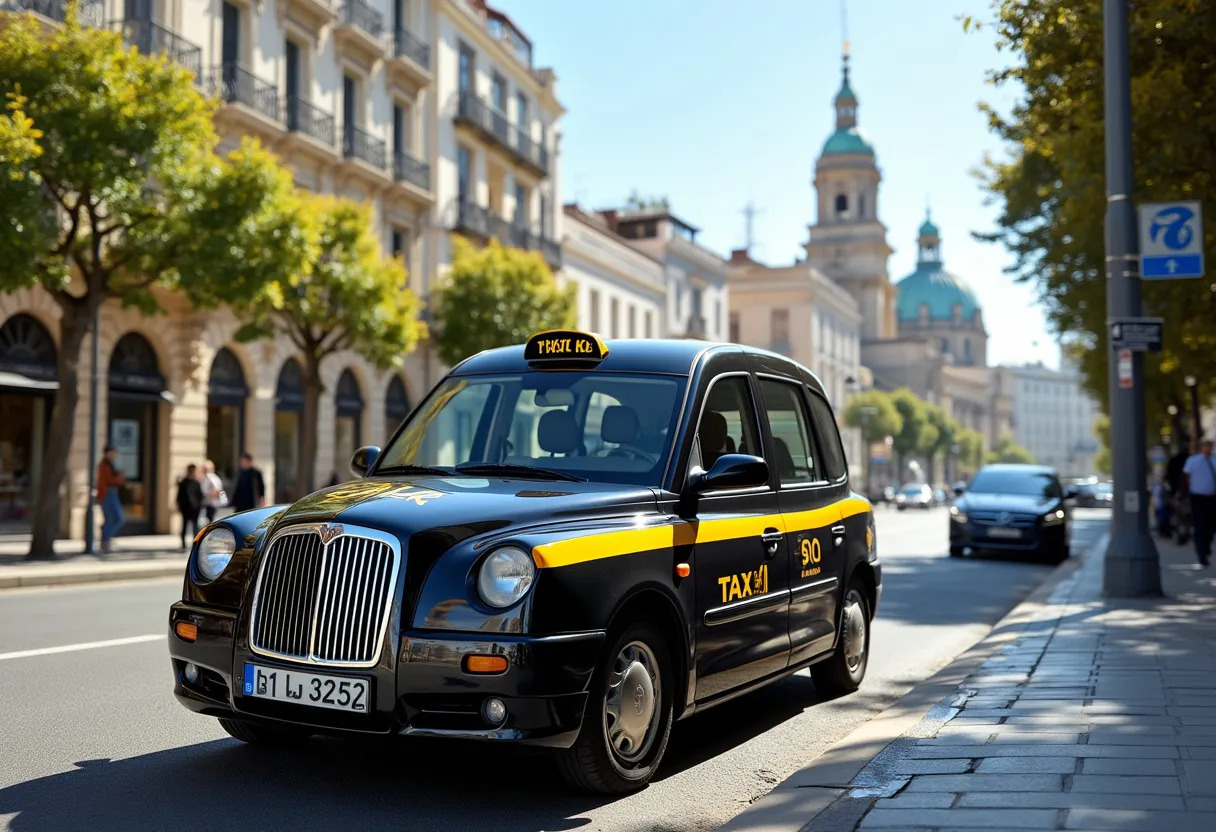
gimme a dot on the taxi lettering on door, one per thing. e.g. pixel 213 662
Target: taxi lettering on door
pixel 811 552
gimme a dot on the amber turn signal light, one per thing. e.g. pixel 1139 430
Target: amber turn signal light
pixel 186 631
pixel 485 664
pixel 683 570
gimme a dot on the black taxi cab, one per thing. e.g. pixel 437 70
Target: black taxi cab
pixel 568 544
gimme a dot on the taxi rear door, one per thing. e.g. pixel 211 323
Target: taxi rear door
pixel 809 507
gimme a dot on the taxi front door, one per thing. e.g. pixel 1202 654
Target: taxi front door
pixel 740 560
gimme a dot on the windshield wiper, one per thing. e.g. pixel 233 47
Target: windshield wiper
pixel 414 469
pixel 487 468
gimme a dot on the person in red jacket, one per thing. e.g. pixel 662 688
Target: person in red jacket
pixel 109 480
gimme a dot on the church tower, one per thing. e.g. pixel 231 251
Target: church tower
pixel 848 243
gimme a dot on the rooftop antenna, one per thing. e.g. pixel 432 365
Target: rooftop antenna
pixel 844 36
pixel 749 213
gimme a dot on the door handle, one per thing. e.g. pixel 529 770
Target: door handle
pixel 772 541
pixel 838 529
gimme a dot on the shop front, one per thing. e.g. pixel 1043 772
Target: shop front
pixel 227 397
pixel 348 423
pixel 137 391
pixel 288 402
pixel 27 387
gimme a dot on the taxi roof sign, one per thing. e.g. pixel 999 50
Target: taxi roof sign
pixel 566 347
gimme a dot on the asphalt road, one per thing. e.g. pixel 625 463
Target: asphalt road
pixel 91 739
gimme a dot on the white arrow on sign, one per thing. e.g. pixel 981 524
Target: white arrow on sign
pixel 1172 265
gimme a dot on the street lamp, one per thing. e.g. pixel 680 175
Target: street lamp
pixel 1175 426
pixel 1192 385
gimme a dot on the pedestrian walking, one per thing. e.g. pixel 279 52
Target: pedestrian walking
pixel 214 496
pixel 189 501
pixel 1201 484
pixel 109 497
pixel 250 489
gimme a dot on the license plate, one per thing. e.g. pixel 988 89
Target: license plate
pixel 339 693
pixel 1000 531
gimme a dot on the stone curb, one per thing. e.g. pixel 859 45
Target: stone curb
pixel 38 576
pixel 798 803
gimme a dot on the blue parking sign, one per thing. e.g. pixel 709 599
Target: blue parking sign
pixel 1171 240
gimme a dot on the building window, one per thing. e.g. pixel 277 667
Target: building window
pixel 400 133
pixel 696 301
pixel 631 316
pixel 468 67
pixel 350 105
pixel 779 326
pixel 230 35
pixel 498 93
pixel 398 243
pixel 521 112
pixel 842 205
pixel 614 310
pixel 595 310
pixel 464 164
pixel 734 327
pixel 521 206
pixel 544 215
pixel 649 328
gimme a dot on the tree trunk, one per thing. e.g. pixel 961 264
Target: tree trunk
pixel 308 425
pixel 74 326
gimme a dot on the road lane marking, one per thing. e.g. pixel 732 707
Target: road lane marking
pixel 89 645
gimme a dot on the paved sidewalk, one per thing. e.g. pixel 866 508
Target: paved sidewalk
pixel 1095 715
pixel 140 556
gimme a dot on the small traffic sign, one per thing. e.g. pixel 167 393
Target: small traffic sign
pixel 1137 334
pixel 1171 240
pixel 1125 369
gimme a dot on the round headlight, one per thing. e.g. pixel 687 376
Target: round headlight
pixel 505 576
pixel 214 551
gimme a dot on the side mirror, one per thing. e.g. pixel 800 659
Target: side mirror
pixel 364 459
pixel 730 471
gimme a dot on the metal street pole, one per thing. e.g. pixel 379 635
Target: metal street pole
pixel 92 461
pixel 1132 567
pixel 1193 387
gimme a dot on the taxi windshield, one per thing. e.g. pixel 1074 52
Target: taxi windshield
pixel 591 425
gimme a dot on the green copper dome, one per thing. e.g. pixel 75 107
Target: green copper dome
pixel 928 229
pixel 848 140
pixel 931 285
pixel 846 92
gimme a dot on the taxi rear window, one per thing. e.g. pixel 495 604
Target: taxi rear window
pixel 609 427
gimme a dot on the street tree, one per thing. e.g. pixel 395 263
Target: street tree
pixel 917 435
pixel 947 434
pixel 1007 450
pixel 346 296
pixel 496 296
pixel 971 449
pixel 1051 187
pixel 875 415
pixel 112 190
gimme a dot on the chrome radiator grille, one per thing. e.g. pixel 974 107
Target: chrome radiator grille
pixel 323 595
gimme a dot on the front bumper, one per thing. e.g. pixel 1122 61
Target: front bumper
pixel 419 688
pixel 1033 539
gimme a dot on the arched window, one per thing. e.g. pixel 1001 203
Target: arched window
pixel 288 402
pixel 226 395
pixel 842 205
pixel 396 404
pixel 27 349
pixel 348 421
pixel 136 390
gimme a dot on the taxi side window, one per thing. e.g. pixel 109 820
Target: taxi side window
pixel 728 422
pixel 788 422
pixel 594 437
pixel 834 465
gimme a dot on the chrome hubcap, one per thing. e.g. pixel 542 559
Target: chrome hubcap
pixel 854 632
pixel 631 711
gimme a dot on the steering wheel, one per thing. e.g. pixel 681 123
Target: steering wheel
pixel 631 452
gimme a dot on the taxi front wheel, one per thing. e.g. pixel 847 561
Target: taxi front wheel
pixel 628 718
pixel 843 672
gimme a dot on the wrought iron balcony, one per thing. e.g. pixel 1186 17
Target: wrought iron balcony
pixel 91 13
pixel 494 125
pixel 531 152
pixel 304 117
pixel 151 38
pixel 361 145
pixel 361 15
pixel 237 85
pixel 408 169
pixel 408 46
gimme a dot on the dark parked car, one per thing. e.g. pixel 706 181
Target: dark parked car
pixel 568 544
pixel 1016 508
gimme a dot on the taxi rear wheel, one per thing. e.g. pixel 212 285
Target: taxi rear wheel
pixel 252 734
pixel 843 672
pixel 628 718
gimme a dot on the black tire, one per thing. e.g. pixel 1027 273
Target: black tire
pixel 594 763
pixel 843 673
pixel 956 551
pixel 253 734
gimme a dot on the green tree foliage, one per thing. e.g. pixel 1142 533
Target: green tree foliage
pixel 1052 187
pixel 496 296
pixel 1007 450
pixel 637 202
pixel 112 190
pixel 971 449
pixel 917 435
pixel 947 434
pixel 346 296
pixel 878 420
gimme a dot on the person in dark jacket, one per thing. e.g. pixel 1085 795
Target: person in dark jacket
pixel 189 501
pixel 250 490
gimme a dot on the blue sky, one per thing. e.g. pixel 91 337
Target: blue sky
pixel 715 104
